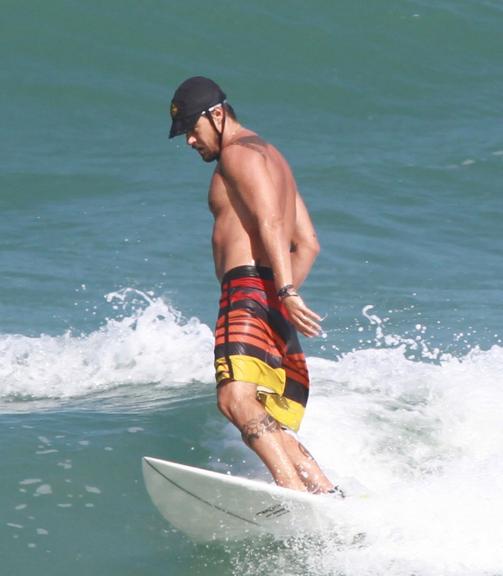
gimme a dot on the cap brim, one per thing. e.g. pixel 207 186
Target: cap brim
pixel 183 125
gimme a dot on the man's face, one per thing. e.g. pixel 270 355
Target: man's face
pixel 204 139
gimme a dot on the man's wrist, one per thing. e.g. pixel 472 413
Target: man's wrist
pixel 287 291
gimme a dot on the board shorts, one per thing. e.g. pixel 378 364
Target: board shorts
pixel 255 342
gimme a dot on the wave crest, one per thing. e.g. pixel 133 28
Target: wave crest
pixel 150 342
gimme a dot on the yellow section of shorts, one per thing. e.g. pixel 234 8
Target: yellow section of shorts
pixel 270 386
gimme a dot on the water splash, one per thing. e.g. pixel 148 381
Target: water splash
pixel 146 342
pixel 426 439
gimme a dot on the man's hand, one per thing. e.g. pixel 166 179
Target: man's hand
pixel 302 317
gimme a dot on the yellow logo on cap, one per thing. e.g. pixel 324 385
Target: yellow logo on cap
pixel 174 109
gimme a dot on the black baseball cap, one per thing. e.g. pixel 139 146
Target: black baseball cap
pixel 193 97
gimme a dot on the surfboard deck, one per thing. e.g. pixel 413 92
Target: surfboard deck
pixel 207 505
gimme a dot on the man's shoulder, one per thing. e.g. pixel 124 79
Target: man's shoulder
pixel 246 140
pixel 246 150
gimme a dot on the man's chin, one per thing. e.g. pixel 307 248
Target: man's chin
pixel 209 157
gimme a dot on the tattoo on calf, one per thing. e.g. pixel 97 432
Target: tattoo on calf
pixel 303 475
pixel 257 427
pixel 305 452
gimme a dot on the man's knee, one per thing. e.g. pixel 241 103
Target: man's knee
pixel 232 395
pixel 223 399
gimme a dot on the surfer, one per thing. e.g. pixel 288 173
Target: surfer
pixel 264 245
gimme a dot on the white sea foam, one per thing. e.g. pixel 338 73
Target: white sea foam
pixel 93 490
pixel 151 344
pixel 427 440
pixel 43 490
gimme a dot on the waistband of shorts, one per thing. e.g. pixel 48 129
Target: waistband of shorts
pixel 248 271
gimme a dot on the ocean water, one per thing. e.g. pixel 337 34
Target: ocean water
pixel 391 115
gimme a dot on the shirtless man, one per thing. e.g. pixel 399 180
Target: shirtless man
pixel 264 245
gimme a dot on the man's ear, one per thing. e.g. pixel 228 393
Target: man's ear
pixel 218 115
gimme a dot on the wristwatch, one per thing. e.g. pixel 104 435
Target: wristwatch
pixel 286 291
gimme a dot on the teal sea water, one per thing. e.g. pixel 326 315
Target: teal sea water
pixel 390 113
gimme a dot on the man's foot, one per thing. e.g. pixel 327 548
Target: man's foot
pixel 337 492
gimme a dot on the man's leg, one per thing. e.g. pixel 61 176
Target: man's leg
pixel 306 466
pixel 262 433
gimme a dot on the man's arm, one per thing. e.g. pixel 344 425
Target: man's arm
pixel 304 246
pixel 249 178
pixel 264 206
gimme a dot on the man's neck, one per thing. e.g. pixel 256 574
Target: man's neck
pixel 233 131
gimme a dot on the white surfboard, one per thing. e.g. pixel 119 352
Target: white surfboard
pixel 207 505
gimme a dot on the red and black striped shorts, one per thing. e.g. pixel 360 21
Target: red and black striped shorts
pixel 255 342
